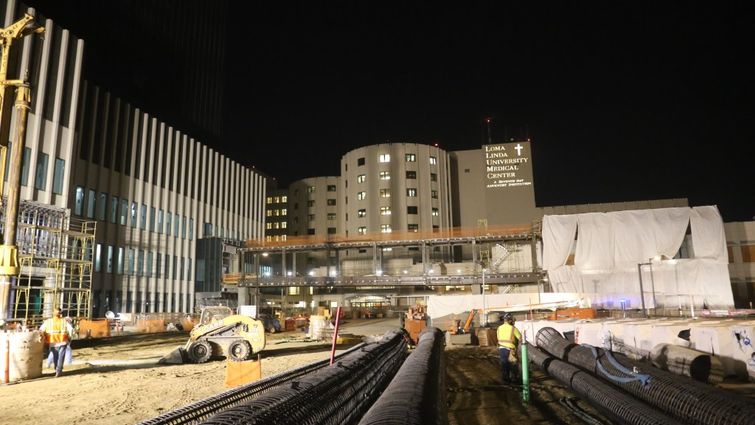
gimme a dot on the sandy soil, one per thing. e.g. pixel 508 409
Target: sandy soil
pixel 117 381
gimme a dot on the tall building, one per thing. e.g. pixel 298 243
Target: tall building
pixel 276 215
pixel 313 205
pixel 152 188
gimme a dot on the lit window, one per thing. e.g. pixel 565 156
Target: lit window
pixel 413 228
pixel 410 157
pixel 269 226
pixel 411 192
pixel 269 213
pixel 276 225
pixel 79 203
pixel 283 238
pixel 362 230
pixel 385 210
pixel 362 213
pixel 277 199
pixel 284 212
pixel 436 213
pixel 284 198
pixel 385 175
pixel 310 189
pixel 384 157
pixel 361 196
pixel 268 238
pixel 269 199
pixel 276 212
pixel 361 178
pixel 433 160
pixel 283 225
pixel 385 193
pixel 385 228
pixel 434 194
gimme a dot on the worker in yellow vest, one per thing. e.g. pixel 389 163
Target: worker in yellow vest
pixel 508 342
pixel 57 332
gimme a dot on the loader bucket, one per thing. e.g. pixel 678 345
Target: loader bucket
pixel 177 356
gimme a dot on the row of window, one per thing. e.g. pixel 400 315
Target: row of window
pixel 277 199
pixel 386 157
pixel 40 174
pixel 387 211
pixel 277 212
pixel 311 189
pixel 140 263
pixel 386 175
pixel 275 225
pixel 386 228
pixel 386 193
pixel 96 208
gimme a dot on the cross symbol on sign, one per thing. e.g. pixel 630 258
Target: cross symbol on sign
pixel 518 148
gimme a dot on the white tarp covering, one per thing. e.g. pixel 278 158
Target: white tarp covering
pixel 558 239
pixel 611 245
pixel 708 237
pixel 443 305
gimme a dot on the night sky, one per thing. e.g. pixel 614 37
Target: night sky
pixel 621 102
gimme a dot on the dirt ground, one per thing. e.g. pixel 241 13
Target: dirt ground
pixel 117 380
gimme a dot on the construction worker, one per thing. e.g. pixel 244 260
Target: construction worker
pixel 508 340
pixel 57 332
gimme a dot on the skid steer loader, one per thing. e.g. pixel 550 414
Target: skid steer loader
pixel 221 333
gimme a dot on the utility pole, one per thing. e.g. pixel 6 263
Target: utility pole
pixel 9 268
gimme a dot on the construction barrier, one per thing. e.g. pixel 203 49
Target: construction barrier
pixel 94 328
pixel 240 373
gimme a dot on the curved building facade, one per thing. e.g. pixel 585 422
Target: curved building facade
pixel 395 188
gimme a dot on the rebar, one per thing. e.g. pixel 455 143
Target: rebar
pixel 416 395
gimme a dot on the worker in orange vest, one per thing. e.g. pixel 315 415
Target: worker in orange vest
pixel 508 342
pixel 57 332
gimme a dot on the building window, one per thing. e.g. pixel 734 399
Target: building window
pixel 385 193
pixel 114 209
pixel 269 213
pixel 40 178
pixel 311 217
pixel 331 230
pixel 361 196
pixel 331 216
pixel 411 192
pixel 284 225
pixel 191 229
pixel 362 230
pixel 119 266
pixel 331 188
pixel 78 207
pixel 268 238
pixel 183 228
pixel 436 213
pixel 269 199
pixel 124 211
pixel 276 212
pixel 58 176
pixel 410 157
pixel 143 221
pixel 277 199
pixel 362 213
pixel 102 207
pixel 331 202
pixel 158 265
pixel 411 210
pixel 177 225
pixel 284 212
pixel 133 214
pixel 160 221
pixel 91 199
pixel 384 157
pixel 434 194
pixel 385 175
pixel 24 166
pixel 411 174
pixel 276 225
pixel 140 263
pixel 310 189
pixel 98 258
pixel 148 271
pixel 310 231
pixel 433 177
pixel 433 160
pixel 152 215
pixel 311 203
pixel 385 228
pixel 413 228
pixel 361 178
pixel 385 210
pixel 284 198
pixel 168 219
pixel 131 261
pixel 360 162
pixel 269 226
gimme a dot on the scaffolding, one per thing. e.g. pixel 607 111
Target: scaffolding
pixel 55 255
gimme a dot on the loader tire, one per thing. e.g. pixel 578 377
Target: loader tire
pixel 199 351
pixel 239 350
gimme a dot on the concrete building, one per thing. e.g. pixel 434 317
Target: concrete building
pixel 740 240
pixel 152 188
pixel 276 215
pixel 313 207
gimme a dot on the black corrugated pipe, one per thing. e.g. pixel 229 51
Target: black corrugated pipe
pixel 615 404
pixel 337 394
pixel 416 395
pixel 687 400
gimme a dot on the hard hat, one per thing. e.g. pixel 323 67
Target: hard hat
pixel 508 317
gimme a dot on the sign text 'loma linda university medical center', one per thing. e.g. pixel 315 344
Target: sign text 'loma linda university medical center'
pixel 507 165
